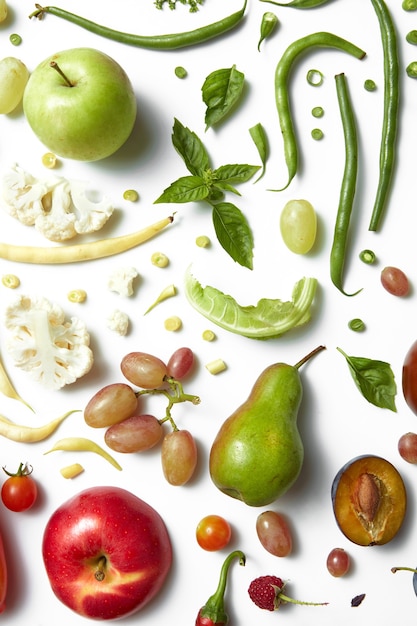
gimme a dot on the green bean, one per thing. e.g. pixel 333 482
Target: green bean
pixel 390 113
pixel 156 42
pixel 348 186
pixel 282 73
pixel 299 4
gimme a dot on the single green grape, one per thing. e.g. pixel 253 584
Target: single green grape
pixel 298 225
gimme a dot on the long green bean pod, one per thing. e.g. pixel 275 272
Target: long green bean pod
pixel 348 186
pixel 282 74
pixel 390 114
pixel 155 42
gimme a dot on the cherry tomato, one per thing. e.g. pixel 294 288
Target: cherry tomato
pixel 19 491
pixel 213 533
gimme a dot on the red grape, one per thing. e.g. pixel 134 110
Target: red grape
pixel 143 370
pixel 407 447
pixel 180 363
pixel 135 434
pixel 274 533
pixel 110 405
pixel 178 456
pixel 409 377
pixel 395 281
pixel 338 562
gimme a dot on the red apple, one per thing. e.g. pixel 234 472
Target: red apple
pixel 106 552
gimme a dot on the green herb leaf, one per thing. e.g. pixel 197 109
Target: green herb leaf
pixel 267 320
pixel 374 379
pixel 221 90
pixel 235 173
pixel 260 140
pixel 190 148
pixel 185 189
pixel 233 233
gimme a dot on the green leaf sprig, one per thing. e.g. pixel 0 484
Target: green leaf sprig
pixel 205 183
pixel 374 379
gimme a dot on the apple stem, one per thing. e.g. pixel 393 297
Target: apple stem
pixel 56 67
pixel 99 573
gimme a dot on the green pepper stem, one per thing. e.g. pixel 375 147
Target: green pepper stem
pixel 214 607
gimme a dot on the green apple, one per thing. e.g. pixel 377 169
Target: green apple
pixel 80 104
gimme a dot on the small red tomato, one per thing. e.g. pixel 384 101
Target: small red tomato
pixel 19 491
pixel 213 533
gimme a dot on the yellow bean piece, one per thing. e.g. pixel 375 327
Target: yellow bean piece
pixel 71 471
pixel 8 389
pixel 30 434
pixel 82 444
pixel 216 366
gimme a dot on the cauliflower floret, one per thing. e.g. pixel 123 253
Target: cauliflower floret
pixel 42 342
pixel 119 322
pixel 59 208
pixel 121 280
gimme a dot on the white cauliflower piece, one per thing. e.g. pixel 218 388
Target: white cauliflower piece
pixel 119 322
pixel 53 350
pixel 121 280
pixel 59 208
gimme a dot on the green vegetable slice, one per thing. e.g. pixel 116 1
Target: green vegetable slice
pixel 267 320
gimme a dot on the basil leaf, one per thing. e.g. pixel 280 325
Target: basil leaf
pixel 269 319
pixel 260 140
pixel 185 189
pixel 190 148
pixel 221 90
pixel 233 233
pixel 374 379
pixel 235 173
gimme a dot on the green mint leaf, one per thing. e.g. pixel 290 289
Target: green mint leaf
pixel 233 233
pixel 190 148
pixel 374 379
pixel 269 319
pixel 221 91
pixel 260 140
pixel 185 189
pixel 235 173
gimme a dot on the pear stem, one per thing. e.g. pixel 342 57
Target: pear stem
pixel 56 67
pixel 309 356
pixel 406 569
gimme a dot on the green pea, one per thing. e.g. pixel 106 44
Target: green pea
pixel 411 37
pixel 357 325
pixel 367 256
pixel 180 72
pixel 411 69
pixel 409 5
pixel 317 134
pixel 15 39
pixel 369 84
pixel 317 112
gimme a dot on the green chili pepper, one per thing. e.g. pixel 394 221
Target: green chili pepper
pixel 282 73
pixel 268 25
pixel 390 113
pixel 348 187
pixel 156 42
pixel 299 4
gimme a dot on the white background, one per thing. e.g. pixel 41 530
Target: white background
pixel 336 422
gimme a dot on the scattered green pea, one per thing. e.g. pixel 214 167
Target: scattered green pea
pixel 317 112
pixel 77 295
pixel 131 195
pixel 203 241
pixel 11 281
pixel 411 69
pixel 15 39
pixel 411 37
pixel 180 72
pixel 409 5
pixel 49 160
pixel 208 335
pixel 315 78
pixel 367 256
pixel 317 134
pixel 173 323
pixel 159 259
pixel 356 325
pixel 369 84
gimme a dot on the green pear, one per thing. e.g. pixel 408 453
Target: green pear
pixel 258 453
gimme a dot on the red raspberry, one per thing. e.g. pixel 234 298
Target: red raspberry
pixel 264 592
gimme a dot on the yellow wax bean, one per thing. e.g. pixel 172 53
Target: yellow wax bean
pixel 82 444
pixel 30 434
